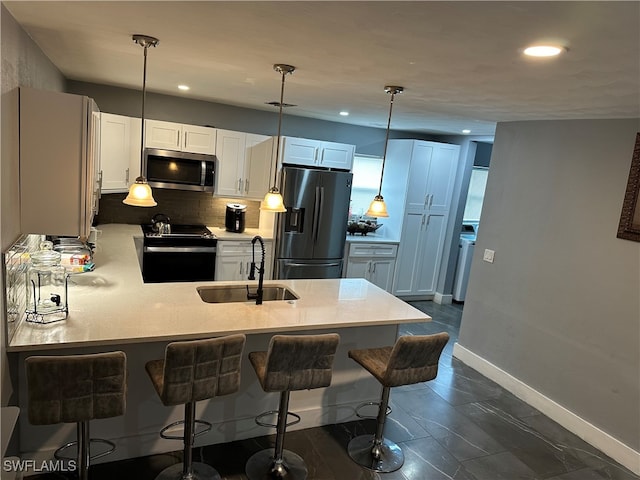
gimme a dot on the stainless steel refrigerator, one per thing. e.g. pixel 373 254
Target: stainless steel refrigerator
pixel 312 232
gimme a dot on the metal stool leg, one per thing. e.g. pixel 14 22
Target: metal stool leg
pixel 374 451
pixel 277 463
pixel 188 469
pixel 83 449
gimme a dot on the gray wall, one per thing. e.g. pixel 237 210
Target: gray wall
pixel 559 309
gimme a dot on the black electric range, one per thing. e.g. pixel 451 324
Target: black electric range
pixel 186 254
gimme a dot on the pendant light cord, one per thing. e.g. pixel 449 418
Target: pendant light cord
pixel 279 130
pixel 144 94
pixel 386 142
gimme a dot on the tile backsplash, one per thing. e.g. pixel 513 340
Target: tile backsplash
pixel 16 261
pixel 182 207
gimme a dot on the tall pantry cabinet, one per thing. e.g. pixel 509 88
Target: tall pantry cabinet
pixel 427 172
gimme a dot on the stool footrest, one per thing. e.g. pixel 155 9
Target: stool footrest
pixel 368 404
pixel 58 453
pixel 273 425
pixel 181 422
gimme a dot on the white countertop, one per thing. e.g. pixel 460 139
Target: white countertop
pixel 372 237
pixel 112 305
pixel 222 234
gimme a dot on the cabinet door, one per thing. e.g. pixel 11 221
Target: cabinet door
pixel 258 166
pixel 429 254
pixel 382 273
pixel 358 267
pixel 442 172
pixel 230 268
pixel 406 267
pixel 196 139
pixel 336 155
pixel 417 199
pixel 115 152
pixel 230 148
pixel 160 134
pixel 300 151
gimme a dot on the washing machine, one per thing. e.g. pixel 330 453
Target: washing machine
pixel 465 255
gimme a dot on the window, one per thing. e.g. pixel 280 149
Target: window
pixel 475 196
pixel 366 181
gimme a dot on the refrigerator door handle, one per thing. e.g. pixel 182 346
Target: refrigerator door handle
pixel 317 205
pixel 295 264
pixel 320 212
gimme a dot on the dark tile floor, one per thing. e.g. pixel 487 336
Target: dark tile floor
pixel 459 426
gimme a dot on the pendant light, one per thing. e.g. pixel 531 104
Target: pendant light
pixel 273 201
pixel 378 208
pixel 140 194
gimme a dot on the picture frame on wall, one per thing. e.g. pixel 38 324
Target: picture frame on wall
pixel 629 227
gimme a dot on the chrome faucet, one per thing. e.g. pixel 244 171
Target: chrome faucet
pixel 260 269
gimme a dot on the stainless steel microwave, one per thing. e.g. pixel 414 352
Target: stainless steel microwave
pixel 179 170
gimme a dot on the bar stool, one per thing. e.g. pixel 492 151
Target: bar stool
pixel 293 362
pixel 191 371
pixel 77 389
pixel 413 359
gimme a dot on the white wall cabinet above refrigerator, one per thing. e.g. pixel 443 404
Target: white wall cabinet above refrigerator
pixel 59 149
pixel 180 137
pixel 316 153
pixel 120 155
pixel 244 164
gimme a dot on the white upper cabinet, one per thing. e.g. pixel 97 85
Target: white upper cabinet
pixel 181 137
pixel 119 152
pixel 244 164
pixel 315 153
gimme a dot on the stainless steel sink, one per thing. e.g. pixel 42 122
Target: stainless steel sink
pixel 238 293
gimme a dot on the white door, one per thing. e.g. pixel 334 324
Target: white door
pixel 259 165
pixel 429 254
pixel 115 151
pixel 358 267
pixel 442 172
pixel 337 155
pixel 300 151
pixel 382 273
pixel 418 172
pixel 159 134
pixel 230 148
pixel 229 268
pixel 406 266
pixel 196 139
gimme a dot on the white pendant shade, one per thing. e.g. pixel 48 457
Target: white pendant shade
pixel 273 202
pixel 377 208
pixel 140 194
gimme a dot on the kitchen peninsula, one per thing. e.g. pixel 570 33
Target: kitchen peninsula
pixel 112 309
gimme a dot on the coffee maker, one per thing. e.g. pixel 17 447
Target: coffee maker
pixel 234 218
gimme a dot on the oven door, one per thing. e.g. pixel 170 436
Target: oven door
pixel 178 263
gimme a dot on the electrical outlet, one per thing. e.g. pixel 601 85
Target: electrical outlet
pixel 488 255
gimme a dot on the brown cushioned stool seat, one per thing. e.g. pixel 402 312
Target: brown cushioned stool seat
pixel 413 359
pixel 191 371
pixel 292 362
pixel 77 389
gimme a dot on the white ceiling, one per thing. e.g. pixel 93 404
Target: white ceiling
pixel 460 62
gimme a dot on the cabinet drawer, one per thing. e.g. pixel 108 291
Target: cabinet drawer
pixel 235 247
pixel 373 250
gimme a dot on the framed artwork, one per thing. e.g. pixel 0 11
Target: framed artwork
pixel 629 227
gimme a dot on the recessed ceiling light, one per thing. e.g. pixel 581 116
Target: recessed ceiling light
pixel 466 131
pixel 344 113
pixel 184 88
pixel 543 50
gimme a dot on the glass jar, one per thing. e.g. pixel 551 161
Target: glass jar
pixel 46 288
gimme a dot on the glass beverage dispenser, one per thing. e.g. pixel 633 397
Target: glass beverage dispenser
pixel 46 288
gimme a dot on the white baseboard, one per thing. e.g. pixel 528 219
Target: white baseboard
pixel 591 434
pixel 443 299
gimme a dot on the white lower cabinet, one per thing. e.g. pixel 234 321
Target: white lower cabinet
pixel 372 261
pixel 233 259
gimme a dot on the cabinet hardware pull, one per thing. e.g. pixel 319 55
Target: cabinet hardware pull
pixel 246 186
pixel 178 144
pixel 185 139
pixel 127 176
pixel 239 184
